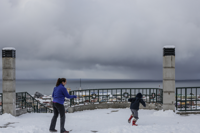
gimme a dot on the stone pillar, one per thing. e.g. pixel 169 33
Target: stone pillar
pixel 169 78
pixel 8 83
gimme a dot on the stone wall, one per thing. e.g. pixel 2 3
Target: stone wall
pixel 154 106
pixel 21 111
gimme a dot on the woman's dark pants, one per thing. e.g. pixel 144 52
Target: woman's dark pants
pixel 58 109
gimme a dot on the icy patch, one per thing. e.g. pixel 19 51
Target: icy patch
pixel 167 113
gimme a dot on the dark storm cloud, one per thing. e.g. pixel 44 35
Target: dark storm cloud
pixel 101 38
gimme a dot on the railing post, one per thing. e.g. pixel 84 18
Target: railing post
pixel 89 96
pixel 176 98
pixel 196 98
pixel 25 99
pixel 73 98
pixel 70 99
pixel 191 97
pixel 22 100
pixel 121 94
pixel 149 96
pixel 33 105
pixel 98 95
pixel 185 98
pixel 156 95
pixel 107 95
pixel 37 107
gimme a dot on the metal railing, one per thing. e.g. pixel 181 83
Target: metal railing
pixel 1 103
pixel 150 95
pixel 188 98
pixel 25 100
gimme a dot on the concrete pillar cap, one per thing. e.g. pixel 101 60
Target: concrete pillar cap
pixel 8 48
pixel 169 46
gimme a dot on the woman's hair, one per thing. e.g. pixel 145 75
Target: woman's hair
pixel 60 80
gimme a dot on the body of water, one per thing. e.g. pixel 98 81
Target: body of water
pixel 46 86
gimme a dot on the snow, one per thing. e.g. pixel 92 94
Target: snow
pixel 104 121
pixel 8 48
pixel 42 101
pixel 169 46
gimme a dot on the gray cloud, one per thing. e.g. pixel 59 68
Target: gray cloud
pixel 101 38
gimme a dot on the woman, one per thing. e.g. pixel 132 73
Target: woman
pixel 59 94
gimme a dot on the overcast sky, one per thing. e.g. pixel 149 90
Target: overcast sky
pixel 103 39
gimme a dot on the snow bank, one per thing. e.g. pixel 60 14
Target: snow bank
pixel 7 117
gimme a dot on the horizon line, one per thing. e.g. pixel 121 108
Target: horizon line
pixel 112 79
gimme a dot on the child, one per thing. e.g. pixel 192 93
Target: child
pixel 135 102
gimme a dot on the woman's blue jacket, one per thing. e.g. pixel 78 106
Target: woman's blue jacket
pixel 59 94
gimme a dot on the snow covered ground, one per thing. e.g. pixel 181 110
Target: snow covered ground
pixel 103 121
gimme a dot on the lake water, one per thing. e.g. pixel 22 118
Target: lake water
pixel 46 86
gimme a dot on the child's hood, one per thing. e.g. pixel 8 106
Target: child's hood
pixel 139 95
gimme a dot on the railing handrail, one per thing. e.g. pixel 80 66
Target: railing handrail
pixel 186 87
pixel 113 89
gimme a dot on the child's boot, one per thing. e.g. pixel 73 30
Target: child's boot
pixel 129 120
pixel 133 123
